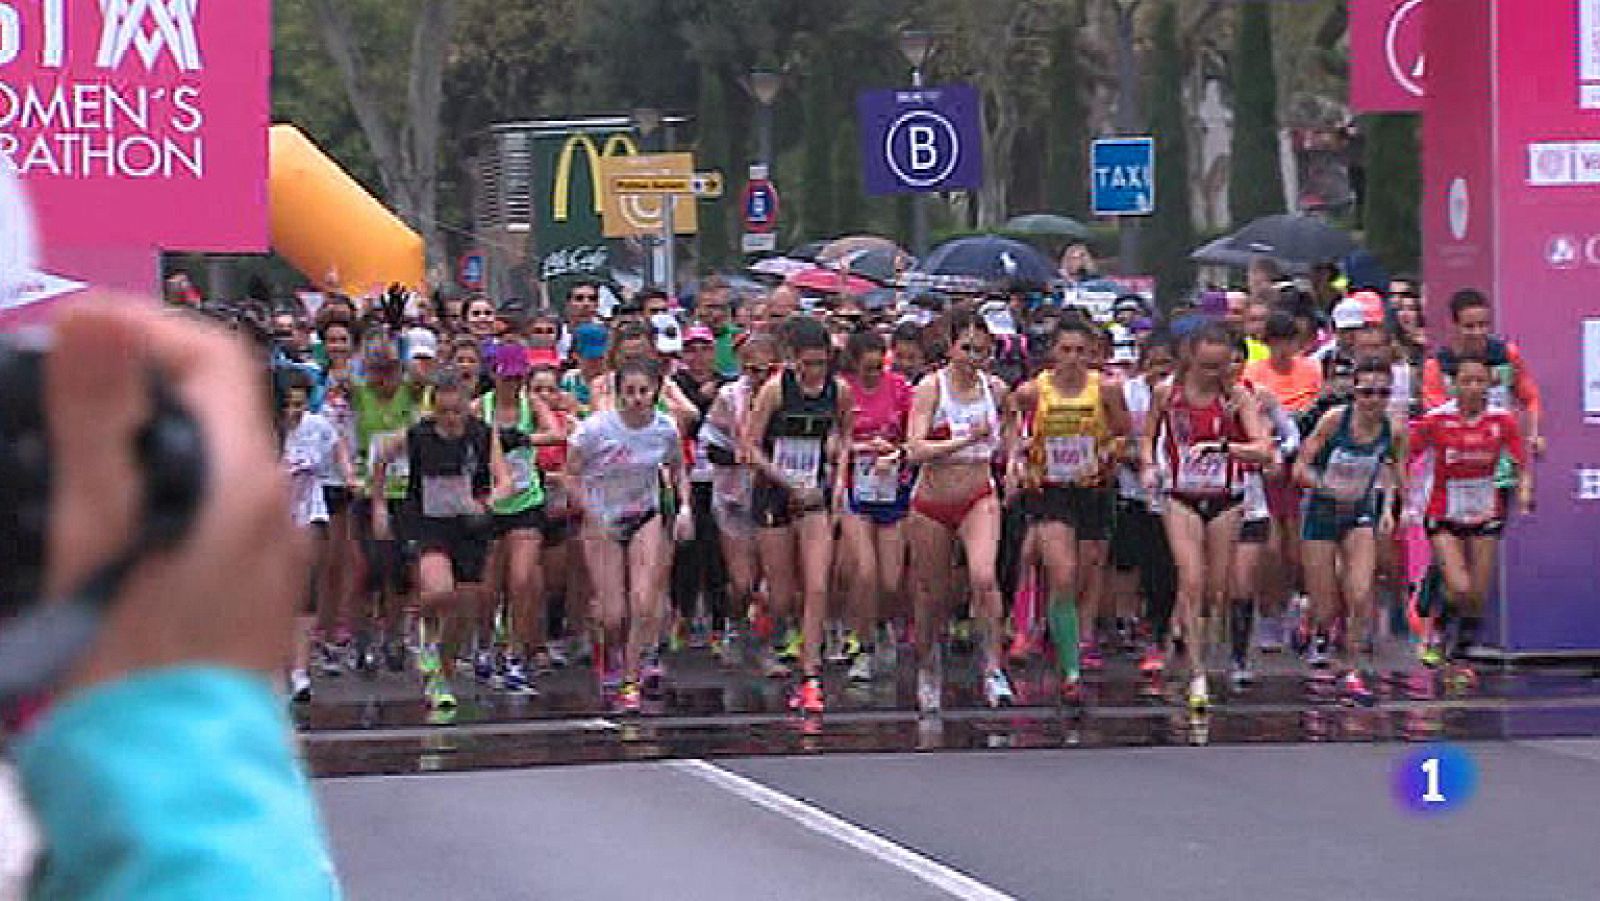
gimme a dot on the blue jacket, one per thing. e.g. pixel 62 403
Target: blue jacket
pixel 180 784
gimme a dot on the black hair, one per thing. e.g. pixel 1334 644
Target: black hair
pixel 1374 365
pixel 1160 338
pixel 805 333
pixel 1464 300
pixel 860 344
pixel 909 332
pixel 1478 358
pixel 1281 326
pixel 450 379
pixel 351 327
pixel 963 320
pixel 1072 324
pixel 651 294
pixel 1214 333
pixel 291 378
pixel 582 283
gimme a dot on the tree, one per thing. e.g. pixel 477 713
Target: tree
pixel 1394 170
pixel 1171 231
pixel 848 191
pixel 404 137
pixel 1066 172
pixel 1255 186
pixel 713 150
pixel 816 176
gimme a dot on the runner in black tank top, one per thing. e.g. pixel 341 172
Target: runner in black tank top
pixel 792 440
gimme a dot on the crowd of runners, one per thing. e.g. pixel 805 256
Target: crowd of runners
pixel 801 482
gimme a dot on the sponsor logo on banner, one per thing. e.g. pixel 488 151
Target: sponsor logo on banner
pixel 1460 209
pixel 561 187
pixel 1561 252
pixel 123 105
pixel 1388 66
pixel 1564 163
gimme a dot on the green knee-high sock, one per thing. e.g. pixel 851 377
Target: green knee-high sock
pixel 1064 633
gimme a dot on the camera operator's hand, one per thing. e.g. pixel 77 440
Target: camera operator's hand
pixel 226 594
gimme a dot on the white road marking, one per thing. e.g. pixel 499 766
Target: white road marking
pixel 950 881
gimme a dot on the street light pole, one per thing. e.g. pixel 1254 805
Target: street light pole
pixel 648 122
pixel 917 47
pixel 763 85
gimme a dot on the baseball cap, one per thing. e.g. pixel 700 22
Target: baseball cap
pixel 699 333
pixel 1128 304
pixel 997 316
pixel 1349 313
pixel 421 343
pixel 1371 306
pixel 511 361
pixel 669 335
pixel 590 340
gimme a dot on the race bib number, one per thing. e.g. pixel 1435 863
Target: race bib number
pixel 623 493
pixel 1469 500
pixel 446 497
pixel 874 484
pixel 1347 477
pixel 800 461
pixel 520 463
pixel 1068 459
pixel 1203 473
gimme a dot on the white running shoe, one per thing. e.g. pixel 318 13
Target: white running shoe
pixel 861 669
pixel 929 689
pixel 997 688
pixel 300 687
pixel 1199 693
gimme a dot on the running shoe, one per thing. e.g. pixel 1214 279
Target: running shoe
pixel 997 689
pixel 629 698
pixel 556 653
pixel 1154 660
pixel 861 667
pixel 1240 676
pixel 929 689
pixel 513 678
pixel 774 666
pixel 300 687
pixel 1269 634
pixel 438 693
pixel 1353 690
pixel 1460 678
pixel 483 666
pixel 331 657
pixel 394 656
pixel 852 645
pixel 1021 646
pixel 1431 654
pixel 651 675
pixel 1317 656
pixel 542 662
pixel 793 645
pixel 1072 694
pixel 807 697
pixel 428 660
pixel 1089 658
pixel 1199 693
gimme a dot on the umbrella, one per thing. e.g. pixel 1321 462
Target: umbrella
pixel 991 258
pixel 808 251
pixel 1296 241
pixel 879 259
pixel 1047 225
pixel 831 281
pixel 780 267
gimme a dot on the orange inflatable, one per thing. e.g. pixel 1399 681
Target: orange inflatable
pixel 329 227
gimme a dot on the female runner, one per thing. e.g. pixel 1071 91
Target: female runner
pixel 793 441
pixel 1204 426
pixel 954 435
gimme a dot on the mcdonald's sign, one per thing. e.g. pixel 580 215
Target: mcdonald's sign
pixel 568 196
pixel 616 144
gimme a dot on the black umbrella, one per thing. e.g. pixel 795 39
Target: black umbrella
pixel 1296 241
pixel 990 258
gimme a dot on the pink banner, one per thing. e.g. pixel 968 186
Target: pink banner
pixel 1512 182
pixel 139 123
pixel 1387 61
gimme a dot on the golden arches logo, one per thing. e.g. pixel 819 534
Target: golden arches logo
pixel 617 144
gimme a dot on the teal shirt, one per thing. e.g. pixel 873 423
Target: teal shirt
pixel 181 785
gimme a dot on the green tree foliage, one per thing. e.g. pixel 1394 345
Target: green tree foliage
pixel 1255 186
pixel 1066 119
pixel 1171 230
pixel 1393 197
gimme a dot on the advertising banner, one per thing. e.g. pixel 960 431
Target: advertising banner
pixel 1509 210
pixel 1388 65
pixel 568 199
pixel 921 140
pixel 139 123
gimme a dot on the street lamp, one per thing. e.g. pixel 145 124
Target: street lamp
pixel 764 85
pixel 917 47
pixel 658 258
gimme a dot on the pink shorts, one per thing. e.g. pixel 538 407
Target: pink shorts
pixel 1283 498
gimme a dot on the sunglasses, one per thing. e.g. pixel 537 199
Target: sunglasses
pixel 542 331
pixel 975 350
pixel 584 296
pixel 1371 390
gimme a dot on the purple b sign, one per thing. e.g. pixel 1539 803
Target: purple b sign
pixel 921 139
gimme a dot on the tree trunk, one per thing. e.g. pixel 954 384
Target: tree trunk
pixel 407 155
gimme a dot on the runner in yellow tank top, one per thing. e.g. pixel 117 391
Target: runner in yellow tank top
pixel 1068 499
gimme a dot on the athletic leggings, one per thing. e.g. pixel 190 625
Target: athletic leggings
pixel 697 564
pixel 1158 574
